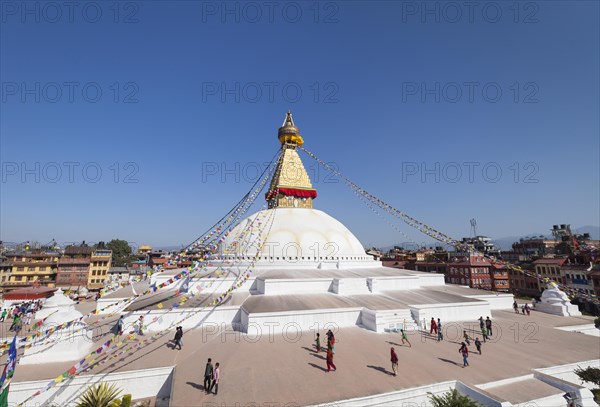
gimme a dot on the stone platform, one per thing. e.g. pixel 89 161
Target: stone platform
pixel 273 368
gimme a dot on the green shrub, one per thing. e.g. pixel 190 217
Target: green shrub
pixel 100 395
pixel 452 399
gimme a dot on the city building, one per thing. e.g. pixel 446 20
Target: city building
pixel 482 244
pixel 524 285
pixel 595 276
pixel 530 248
pixel 431 266
pixel 100 262
pixel 144 249
pixel 5 269
pixel 499 277
pixel 471 269
pixel 119 274
pixel 578 277
pixel 32 269
pixel 74 267
pixel 550 268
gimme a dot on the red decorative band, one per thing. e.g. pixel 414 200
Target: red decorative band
pixel 298 193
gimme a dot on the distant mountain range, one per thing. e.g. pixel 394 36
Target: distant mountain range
pixel 505 243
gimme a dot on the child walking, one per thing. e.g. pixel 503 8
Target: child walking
pixel 404 338
pixel 478 345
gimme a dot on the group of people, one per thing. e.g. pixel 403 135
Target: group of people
pixel 211 377
pixel 23 313
pixel 436 328
pixel 138 327
pixel 330 349
pixel 486 331
pixel 525 308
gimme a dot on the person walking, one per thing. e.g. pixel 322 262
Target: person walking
pixel 404 338
pixel 433 326
pixel 481 322
pixel 331 341
pixel 440 335
pixel 516 307
pixel 15 323
pixel 478 345
pixel 523 309
pixel 488 325
pixel 484 333
pixel 330 359
pixel 178 338
pixel 318 342
pixel 527 309
pixel 3 316
pixel 140 325
pixel 117 329
pixel 330 337
pixel 466 336
pixel 216 375
pixel 465 354
pixel 208 374
pixel 394 360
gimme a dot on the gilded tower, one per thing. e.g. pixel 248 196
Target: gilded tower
pixel 290 186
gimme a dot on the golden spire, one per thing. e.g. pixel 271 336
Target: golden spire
pixel 290 186
pixel 288 132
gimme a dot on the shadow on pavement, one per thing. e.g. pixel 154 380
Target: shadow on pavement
pixel 450 361
pixel 318 367
pixel 195 385
pixel 381 369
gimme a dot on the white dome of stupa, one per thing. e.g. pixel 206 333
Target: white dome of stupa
pixel 59 299
pixel 291 233
pixel 56 304
pixel 296 236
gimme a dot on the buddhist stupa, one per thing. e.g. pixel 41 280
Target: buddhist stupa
pixel 297 233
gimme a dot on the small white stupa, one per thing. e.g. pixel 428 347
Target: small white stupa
pixel 69 343
pixel 554 301
pixel 59 302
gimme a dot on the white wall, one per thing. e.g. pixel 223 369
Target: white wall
pixel 497 302
pixel 378 284
pixel 293 321
pixel 139 383
pixel 296 286
pixel 350 286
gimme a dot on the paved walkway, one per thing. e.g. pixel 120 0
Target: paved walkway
pixel 280 369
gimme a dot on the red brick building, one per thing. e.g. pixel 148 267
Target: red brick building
pixel 500 280
pixel 72 273
pixel 472 270
pixel 74 267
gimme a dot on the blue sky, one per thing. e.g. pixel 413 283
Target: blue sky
pixel 154 94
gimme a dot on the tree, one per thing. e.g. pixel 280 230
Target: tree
pixel 121 252
pixel 452 399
